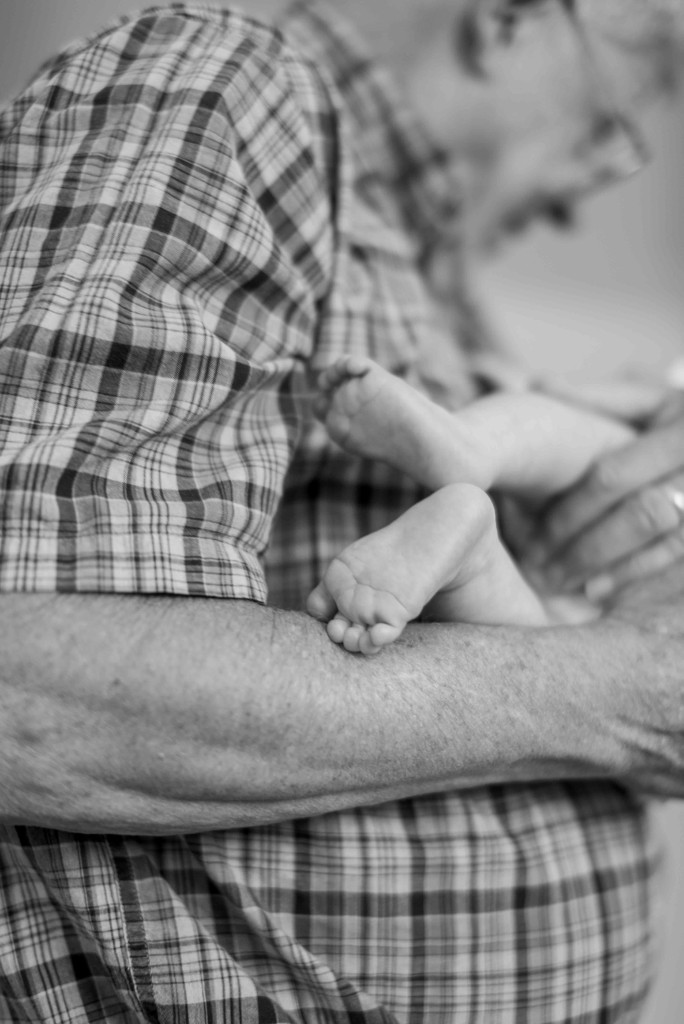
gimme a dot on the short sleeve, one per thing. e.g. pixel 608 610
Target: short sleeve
pixel 165 243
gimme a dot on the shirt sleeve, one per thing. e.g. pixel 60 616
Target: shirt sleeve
pixel 165 242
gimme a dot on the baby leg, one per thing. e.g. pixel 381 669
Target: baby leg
pixel 538 446
pixel 525 443
pixel 372 413
pixel 446 545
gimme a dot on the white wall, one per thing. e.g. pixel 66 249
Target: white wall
pixel 614 294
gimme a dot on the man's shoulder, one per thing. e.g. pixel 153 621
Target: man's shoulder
pixel 182 86
pixel 176 33
pixel 162 53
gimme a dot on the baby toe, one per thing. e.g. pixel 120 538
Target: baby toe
pixel 357 366
pixel 320 604
pixel 366 645
pixel 352 639
pixel 337 628
pixel 333 375
pixel 382 634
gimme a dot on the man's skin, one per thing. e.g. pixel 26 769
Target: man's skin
pixel 610 528
pixel 160 715
pixel 134 714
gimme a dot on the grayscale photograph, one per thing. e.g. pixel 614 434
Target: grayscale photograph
pixel 342 512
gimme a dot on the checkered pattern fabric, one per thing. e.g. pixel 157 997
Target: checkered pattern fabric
pixel 196 212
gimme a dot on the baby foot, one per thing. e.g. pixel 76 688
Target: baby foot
pixel 362 617
pixel 376 415
pixel 446 545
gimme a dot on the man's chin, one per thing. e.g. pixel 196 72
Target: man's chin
pixel 490 234
pixel 561 214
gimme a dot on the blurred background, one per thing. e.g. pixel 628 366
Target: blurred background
pixel 608 295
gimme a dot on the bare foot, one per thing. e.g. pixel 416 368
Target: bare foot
pixel 372 413
pixel 527 444
pixel 446 545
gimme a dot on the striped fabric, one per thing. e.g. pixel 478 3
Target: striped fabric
pixel 196 213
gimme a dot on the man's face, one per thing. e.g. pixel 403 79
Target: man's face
pixel 550 128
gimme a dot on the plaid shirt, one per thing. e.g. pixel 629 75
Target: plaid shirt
pixel 196 212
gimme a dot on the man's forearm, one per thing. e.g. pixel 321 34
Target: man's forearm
pixel 133 714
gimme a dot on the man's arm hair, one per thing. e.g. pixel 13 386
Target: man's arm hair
pixel 133 714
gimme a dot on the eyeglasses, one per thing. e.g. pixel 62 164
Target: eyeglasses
pixel 612 125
